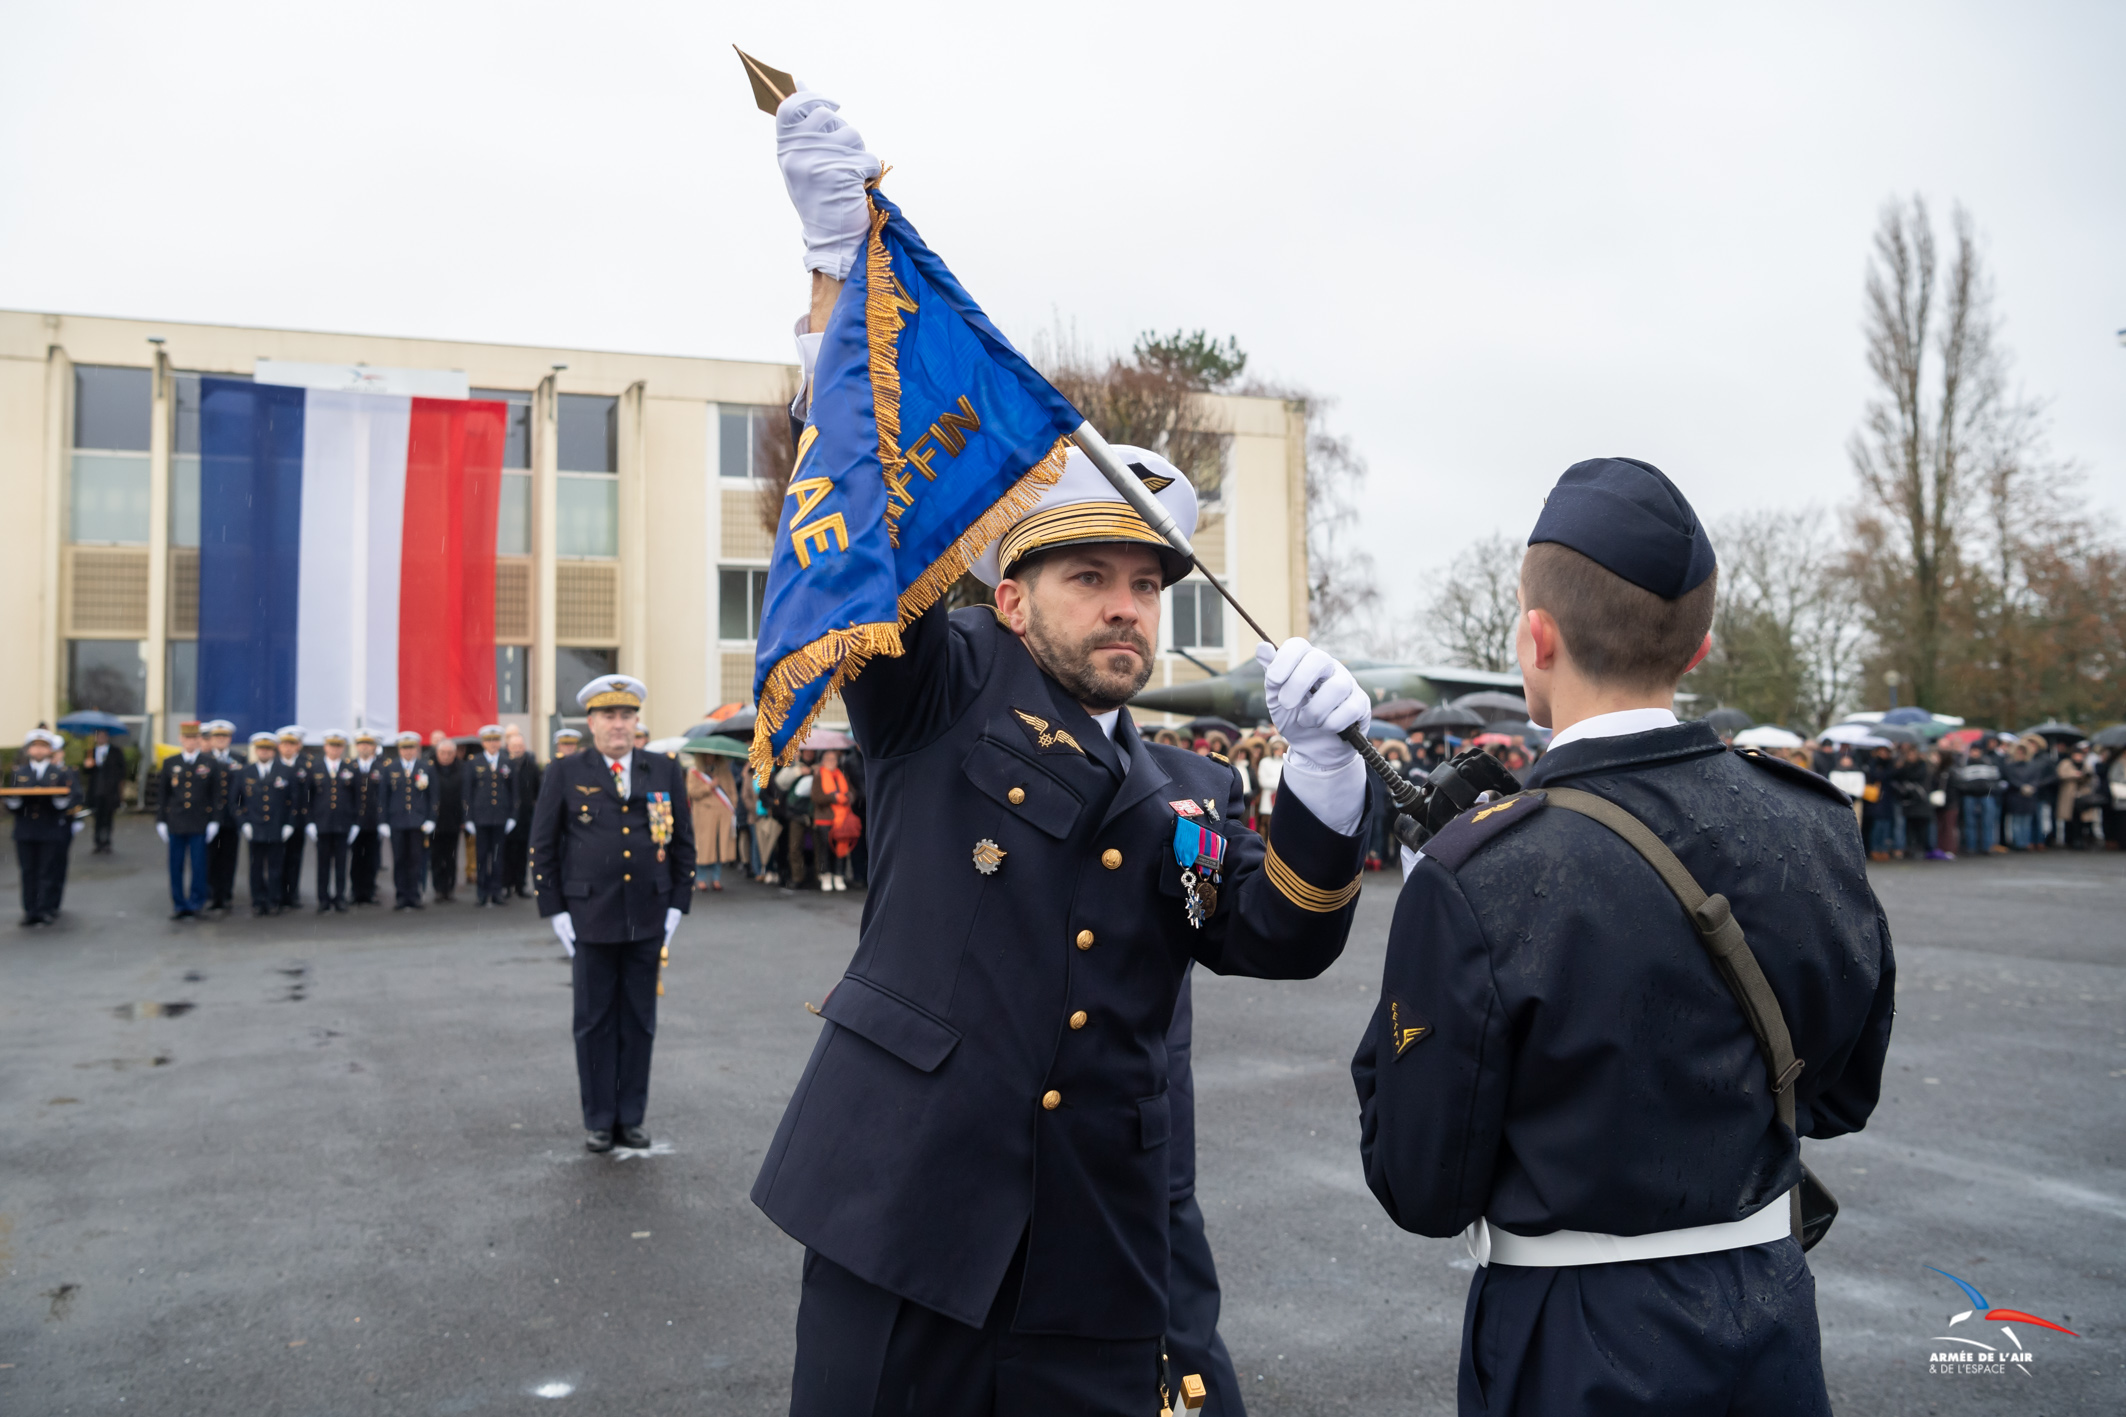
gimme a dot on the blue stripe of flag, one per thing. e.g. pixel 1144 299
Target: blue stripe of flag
pixel 250 551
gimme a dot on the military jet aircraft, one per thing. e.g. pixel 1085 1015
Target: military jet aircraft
pixel 1238 694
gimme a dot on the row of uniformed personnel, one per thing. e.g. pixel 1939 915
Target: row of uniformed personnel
pixel 351 805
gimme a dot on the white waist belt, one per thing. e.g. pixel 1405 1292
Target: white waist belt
pixel 1490 1245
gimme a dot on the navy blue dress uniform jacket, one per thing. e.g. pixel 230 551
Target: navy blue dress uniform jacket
pixel 270 801
pixel 368 794
pixel 1554 1048
pixel 407 794
pixel 591 853
pixel 917 1150
pixel 334 794
pixel 45 818
pixel 490 792
pixel 189 796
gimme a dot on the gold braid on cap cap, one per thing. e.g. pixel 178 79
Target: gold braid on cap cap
pixel 1074 523
pixel 613 698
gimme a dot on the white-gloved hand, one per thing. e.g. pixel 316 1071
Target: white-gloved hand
pixel 78 825
pixel 162 829
pixel 565 932
pixel 428 828
pixel 672 916
pixel 1313 698
pixel 247 831
pixel 352 833
pixel 310 830
pixel 287 831
pixel 383 833
pixel 471 830
pixel 509 826
pixel 213 831
pixel 824 166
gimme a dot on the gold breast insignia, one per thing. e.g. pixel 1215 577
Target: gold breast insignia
pixel 590 791
pixel 988 856
pixel 1043 735
pixel 1406 1036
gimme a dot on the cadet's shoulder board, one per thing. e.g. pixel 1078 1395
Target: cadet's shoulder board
pixel 1457 841
pixel 1793 772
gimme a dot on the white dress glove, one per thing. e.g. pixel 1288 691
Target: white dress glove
pixel 672 917
pixel 78 825
pixel 1313 698
pixel 162 829
pixel 383 833
pixel 565 932
pixel 213 830
pixel 471 830
pixel 310 830
pixel 509 826
pixel 352 833
pixel 287 831
pixel 825 167
pixel 428 827
pixel 247 831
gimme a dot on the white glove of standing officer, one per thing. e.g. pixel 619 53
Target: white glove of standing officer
pixel 287 831
pixel 1313 698
pixel 825 167
pixel 383 833
pixel 565 932
pixel 162 829
pixel 672 917
pixel 213 830
pixel 310 830
pixel 352 833
pixel 247 831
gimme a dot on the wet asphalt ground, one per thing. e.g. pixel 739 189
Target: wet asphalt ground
pixel 332 1165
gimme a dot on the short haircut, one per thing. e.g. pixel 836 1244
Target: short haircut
pixel 1616 632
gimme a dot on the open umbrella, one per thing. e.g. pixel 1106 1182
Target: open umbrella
pixel 667 746
pixel 1519 728
pixel 1212 724
pixel 826 740
pixel 90 720
pixel 1907 716
pixel 1449 716
pixel 2054 731
pixel 738 725
pixel 716 745
pixel 1767 735
pixel 1385 731
pixel 1492 705
pixel 1895 733
pixel 1496 740
pixel 1855 735
pixel 1398 710
pixel 2112 737
pixel 1729 721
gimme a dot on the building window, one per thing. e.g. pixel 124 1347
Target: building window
pixel 111 675
pixel 113 412
pixel 574 667
pixel 587 494
pixel 741 431
pixel 513 678
pixel 181 679
pixel 513 518
pixel 184 457
pixel 739 592
pixel 1198 617
pixel 516 425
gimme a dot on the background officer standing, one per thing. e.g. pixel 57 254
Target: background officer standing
pixel 365 846
pixel 295 762
pixel 490 790
pixel 446 844
pixel 226 848
pixel 524 774
pixel 1558 1068
pixel 189 792
pixel 267 808
pixel 335 819
pixel 103 780
pixel 407 816
pixel 612 858
pixel 45 825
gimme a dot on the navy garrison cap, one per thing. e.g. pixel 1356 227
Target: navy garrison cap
pixel 1626 517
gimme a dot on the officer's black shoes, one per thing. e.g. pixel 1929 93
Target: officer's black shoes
pixel 599 1142
pixel 324 906
pixel 339 907
pixel 184 915
pixel 634 1138
pixel 29 921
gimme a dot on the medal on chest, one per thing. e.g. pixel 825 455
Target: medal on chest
pixel 1201 854
pixel 660 820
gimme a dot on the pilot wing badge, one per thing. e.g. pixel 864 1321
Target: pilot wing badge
pixel 1045 738
pixel 929 435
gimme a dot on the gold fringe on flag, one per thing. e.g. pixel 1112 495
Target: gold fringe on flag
pixel 1024 495
pixel 842 653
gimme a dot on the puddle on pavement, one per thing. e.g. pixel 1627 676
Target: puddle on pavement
pixel 150 1009
pixel 119 1065
pixel 298 977
pixel 193 976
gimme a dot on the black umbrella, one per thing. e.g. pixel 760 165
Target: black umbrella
pixel 738 725
pixel 1519 728
pixel 1492 705
pixel 1896 733
pixel 2112 737
pixel 1449 716
pixel 1211 724
pixel 1382 732
pixel 1729 721
pixel 2054 731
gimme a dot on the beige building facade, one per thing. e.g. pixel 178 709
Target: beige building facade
pixel 631 535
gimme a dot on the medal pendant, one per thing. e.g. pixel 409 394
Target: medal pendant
pixel 1207 893
pixel 1192 902
pixel 660 853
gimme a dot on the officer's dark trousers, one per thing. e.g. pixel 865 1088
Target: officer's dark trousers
pixel 332 868
pixel 443 859
pixel 43 866
pixel 516 856
pixel 267 858
pixel 222 856
pixel 189 851
pixel 490 873
pixel 409 853
pixel 1732 1332
pixel 1192 1341
pixel 616 1022
pixel 292 869
pixel 365 858
pixel 103 812
pixel 863 1351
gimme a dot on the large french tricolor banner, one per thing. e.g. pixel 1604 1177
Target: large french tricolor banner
pixel 346 558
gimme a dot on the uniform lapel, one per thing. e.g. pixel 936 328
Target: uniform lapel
pixel 1146 778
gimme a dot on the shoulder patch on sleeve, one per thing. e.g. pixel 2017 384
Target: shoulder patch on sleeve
pixel 1404 1031
pixel 1460 839
pixel 1792 772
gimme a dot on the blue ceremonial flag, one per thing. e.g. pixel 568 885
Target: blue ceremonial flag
pixel 929 436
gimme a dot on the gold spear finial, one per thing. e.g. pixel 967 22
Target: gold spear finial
pixel 770 86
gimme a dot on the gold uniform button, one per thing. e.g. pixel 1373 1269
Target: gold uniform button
pixel 625 830
pixel 1077 1020
pixel 626 877
pixel 1051 1100
pixel 627 853
pixel 1085 939
pixel 1111 859
pixel 1015 796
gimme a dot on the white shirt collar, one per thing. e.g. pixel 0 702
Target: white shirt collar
pixel 38 765
pixel 1614 725
pixel 1107 722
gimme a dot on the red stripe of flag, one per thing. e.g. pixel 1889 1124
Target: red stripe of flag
pixel 447 566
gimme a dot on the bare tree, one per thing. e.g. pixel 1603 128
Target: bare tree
pixel 1475 606
pixel 1787 629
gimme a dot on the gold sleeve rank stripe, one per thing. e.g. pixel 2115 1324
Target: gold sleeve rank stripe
pixel 1306 897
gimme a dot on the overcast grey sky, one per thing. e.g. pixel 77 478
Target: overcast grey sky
pixel 1502 237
